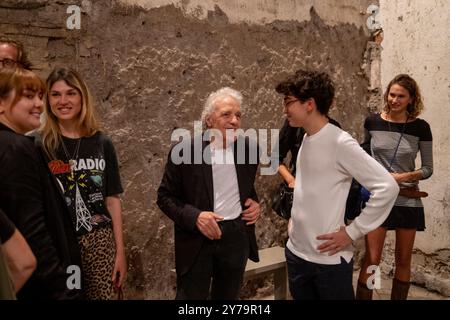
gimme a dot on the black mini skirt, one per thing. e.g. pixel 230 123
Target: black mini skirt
pixel 405 217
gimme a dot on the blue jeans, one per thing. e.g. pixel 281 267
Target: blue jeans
pixel 312 281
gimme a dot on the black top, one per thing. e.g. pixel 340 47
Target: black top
pixel 7 228
pixel 22 198
pixel 95 177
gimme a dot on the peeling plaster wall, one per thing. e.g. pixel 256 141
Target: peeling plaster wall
pixel 150 69
pixel 417 42
pixel 263 11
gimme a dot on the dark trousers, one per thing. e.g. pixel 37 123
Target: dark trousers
pixel 223 261
pixel 312 281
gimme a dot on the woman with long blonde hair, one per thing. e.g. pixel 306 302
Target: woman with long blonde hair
pixel 83 160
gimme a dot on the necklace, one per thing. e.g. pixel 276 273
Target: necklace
pixel 72 160
pixel 399 140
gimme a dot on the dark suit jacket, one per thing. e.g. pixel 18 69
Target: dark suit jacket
pixel 187 189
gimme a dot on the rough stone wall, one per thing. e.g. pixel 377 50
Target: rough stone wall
pixel 150 70
pixel 263 11
pixel 417 42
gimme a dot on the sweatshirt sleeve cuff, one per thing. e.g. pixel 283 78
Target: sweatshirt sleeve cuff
pixel 353 232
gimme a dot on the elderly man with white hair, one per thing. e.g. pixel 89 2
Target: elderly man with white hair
pixel 213 204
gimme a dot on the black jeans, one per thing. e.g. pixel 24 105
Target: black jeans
pixel 312 281
pixel 223 261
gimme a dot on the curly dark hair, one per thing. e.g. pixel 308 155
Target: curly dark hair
pixel 416 106
pixel 22 57
pixel 306 84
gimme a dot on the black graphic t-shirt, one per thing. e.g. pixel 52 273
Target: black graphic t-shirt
pixel 88 180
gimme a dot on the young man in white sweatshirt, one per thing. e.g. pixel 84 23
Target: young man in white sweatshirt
pixel 319 251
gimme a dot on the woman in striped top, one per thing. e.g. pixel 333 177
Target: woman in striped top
pixel 395 137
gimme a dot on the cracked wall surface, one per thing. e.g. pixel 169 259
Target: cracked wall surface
pixel 263 11
pixel 150 69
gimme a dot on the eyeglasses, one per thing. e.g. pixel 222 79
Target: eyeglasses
pixel 288 103
pixel 8 63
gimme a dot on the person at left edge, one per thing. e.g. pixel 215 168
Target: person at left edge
pixel 13 55
pixel 17 261
pixel 23 187
pixel 213 204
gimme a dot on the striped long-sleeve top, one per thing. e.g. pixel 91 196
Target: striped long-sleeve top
pixel 383 136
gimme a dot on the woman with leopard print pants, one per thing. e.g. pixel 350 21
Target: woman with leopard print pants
pixel 83 160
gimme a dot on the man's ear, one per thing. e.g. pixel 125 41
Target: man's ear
pixel 208 121
pixel 311 104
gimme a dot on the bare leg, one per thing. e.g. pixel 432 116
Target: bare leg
pixel 404 242
pixel 374 249
pixel 372 256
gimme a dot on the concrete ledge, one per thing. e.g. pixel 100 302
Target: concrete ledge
pixel 272 261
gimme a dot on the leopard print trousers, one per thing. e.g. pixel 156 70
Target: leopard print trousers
pixel 97 258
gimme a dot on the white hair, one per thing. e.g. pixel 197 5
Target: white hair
pixel 217 95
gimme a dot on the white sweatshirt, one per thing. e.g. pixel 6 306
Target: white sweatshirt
pixel 326 163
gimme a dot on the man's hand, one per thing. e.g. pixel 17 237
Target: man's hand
pixel 336 241
pixel 207 224
pixel 252 213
